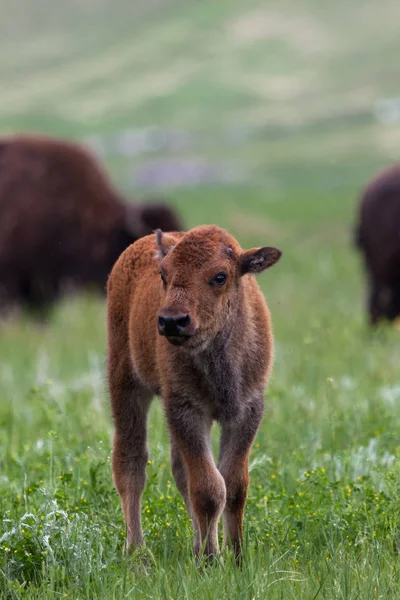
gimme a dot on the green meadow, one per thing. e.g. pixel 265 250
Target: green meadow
pixel 285 98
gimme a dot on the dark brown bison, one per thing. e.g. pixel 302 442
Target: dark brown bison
pixel 62 222
pixel 187 320
pixel 378 238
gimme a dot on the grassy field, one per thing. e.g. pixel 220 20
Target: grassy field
pixel 301 78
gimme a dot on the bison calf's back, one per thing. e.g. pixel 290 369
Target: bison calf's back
pixel 187 321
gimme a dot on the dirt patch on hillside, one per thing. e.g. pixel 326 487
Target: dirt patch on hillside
pixel 303 31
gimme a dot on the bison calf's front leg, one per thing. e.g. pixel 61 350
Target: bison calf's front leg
pixel 207 496
pixel 181 480
pixel 190 430
pixel 236 441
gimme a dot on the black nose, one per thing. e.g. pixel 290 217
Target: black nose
pixel 173 326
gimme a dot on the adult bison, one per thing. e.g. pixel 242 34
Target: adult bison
pixel 62 222
pixel 378 238
pixel 187 321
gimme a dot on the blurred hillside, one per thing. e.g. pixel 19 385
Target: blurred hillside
pixel 183 93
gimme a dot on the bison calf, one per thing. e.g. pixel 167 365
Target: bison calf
pixel 378 238
pixel 187 321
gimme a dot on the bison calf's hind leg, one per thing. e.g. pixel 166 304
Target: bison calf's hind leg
pixel 236 441
pixel 130 455
pixel 206 488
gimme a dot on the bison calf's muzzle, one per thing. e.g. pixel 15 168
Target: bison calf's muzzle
pixel 174 326
pixel 177 328
pixel 210 361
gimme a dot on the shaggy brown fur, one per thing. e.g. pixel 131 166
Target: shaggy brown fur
pixel 61 220
pixel 378 237
pixel 210 361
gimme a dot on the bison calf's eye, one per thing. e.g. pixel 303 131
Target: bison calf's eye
pixel 219 280
pixel 164 281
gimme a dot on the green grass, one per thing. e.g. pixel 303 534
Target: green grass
pixel 322 518
pixel 323 513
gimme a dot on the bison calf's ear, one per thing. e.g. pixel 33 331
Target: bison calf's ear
pixel 159 241
pixel 165 243
pixel 257 260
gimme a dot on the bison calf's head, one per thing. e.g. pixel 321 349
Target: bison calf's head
pixel 201 275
